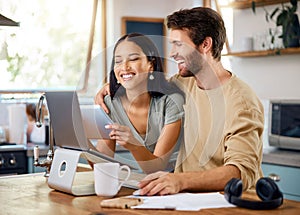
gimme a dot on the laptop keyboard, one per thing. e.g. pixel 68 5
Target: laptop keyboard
pixel 133 180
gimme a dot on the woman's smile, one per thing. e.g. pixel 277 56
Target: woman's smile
pixel 127 76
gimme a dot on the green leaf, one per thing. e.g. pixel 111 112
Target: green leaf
pixel 267 16
pixel 270 31
pixel 253 6
pixel 294 3
pixel 274 12
pixel 282 18
pixel 272 39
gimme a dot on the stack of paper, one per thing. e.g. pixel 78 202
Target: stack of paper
pixel 184 201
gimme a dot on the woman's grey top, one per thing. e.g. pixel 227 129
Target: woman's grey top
pixel 163 110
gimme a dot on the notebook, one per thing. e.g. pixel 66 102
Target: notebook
pixel 67 124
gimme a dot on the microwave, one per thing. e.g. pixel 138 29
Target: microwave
pixel 284 124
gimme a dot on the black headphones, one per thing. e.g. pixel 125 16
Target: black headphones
pixel 266 189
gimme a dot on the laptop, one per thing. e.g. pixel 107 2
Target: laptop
pixel 69 133
pixel 94 120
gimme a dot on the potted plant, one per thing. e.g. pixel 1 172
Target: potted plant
pixel 286 17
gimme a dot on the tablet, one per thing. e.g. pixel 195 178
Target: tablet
pixel 94 120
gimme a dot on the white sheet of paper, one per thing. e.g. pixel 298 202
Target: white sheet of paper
pixel 184 201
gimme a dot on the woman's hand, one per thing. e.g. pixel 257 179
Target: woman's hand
pixel 123 136
pixel 99 98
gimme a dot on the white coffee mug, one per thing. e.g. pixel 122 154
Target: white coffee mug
pixel 107 181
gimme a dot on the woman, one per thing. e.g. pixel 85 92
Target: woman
pixel 148 110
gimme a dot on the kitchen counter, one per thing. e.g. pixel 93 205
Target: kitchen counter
pixel 273 155
pixel 30 194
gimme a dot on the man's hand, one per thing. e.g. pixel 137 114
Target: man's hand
pixel 99 98
pixel 160 183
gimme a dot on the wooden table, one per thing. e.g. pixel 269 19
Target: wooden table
pixel 30 194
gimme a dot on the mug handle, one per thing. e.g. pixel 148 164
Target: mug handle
pixel 126 178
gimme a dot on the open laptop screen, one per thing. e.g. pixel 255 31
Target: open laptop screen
pixel 68 129
pixel 66 120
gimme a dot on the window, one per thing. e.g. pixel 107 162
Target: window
pixel 50 48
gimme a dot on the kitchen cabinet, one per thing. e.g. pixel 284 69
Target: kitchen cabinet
pixel 289 179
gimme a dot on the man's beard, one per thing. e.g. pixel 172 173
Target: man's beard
pixel 193 63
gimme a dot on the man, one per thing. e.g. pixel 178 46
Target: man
pixel 223 117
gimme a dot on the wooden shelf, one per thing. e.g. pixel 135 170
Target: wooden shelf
pixel 243 4
pixel 273 52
